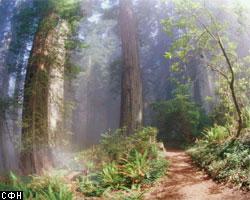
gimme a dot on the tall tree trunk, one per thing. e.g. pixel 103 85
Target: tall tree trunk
pixel 3 121
pixel 6 9
pixel 131 94
pixel 47 56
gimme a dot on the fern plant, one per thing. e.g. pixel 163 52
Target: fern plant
pixel 110 176
pixel 137 166
pixel 216 133
pixel 51 194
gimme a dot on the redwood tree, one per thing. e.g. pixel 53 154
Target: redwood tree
pixel 131 93
pixel 48 53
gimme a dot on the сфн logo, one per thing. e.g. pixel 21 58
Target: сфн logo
pixel 11 195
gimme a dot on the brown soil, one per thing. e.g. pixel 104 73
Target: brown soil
pixel 187 182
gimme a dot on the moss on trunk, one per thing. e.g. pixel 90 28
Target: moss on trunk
pixel 47 55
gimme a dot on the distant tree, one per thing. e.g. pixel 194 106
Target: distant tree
pixel 131 93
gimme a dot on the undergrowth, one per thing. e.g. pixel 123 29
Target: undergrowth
pixel 223 159
pixel 38 187
pixel 119 168
pixel 123 166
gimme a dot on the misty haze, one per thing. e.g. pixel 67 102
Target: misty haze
pixel 125 99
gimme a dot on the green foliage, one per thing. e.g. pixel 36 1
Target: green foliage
pixel 246 117
pixel 157 169
pixel 71 70
pixel 224 161
pixel 113 172
pixel 28 14
pixel 110 176
pixel 216 134
pixel 116 144
pixel 62 194
pixel 127 163
pixel 75 44
pixel 136 166
pixel 179 117
pixel 39 187
pixel 90 186
pixel 69 10
pixel 200 35
pixel 29 17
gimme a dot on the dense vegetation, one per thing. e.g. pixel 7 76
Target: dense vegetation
pixel 222 159
pixel 119 168
pixel 127 164
pixel 180 120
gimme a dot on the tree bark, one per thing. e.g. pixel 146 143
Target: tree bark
pixel 6 9
pixel 131 91
pixel 46 56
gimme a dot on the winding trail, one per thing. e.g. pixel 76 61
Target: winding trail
pixel 187 182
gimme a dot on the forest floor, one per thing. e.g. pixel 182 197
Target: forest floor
pixel 186 182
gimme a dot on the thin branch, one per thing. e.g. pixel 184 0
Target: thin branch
pixel 219 71
pixel 209 32
pixel 200 36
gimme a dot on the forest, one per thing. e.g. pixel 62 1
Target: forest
pixel 125 99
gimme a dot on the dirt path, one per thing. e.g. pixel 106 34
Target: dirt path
pixel 186 182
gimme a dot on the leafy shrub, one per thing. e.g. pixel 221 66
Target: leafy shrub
pixel 110 176
pixel 136 166
pixel 180 117
pixel 158 169
pixel 127 163
pixel 216 134
pixel 116 144
pixel 228 161
pixel 89 185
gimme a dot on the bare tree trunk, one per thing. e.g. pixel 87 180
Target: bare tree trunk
pixel 47 54
pixel 131 93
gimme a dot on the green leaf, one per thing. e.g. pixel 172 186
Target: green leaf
pixel 168 55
